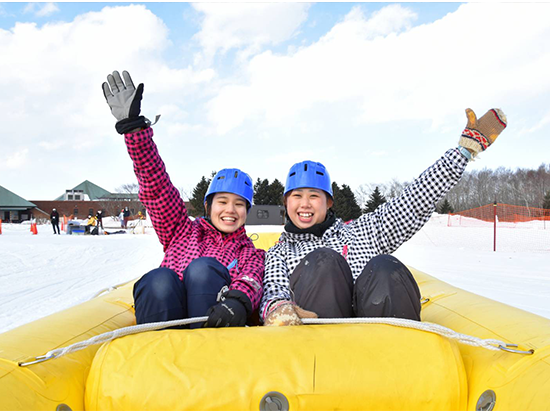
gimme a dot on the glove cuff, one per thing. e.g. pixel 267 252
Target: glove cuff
pixel 129 124
pixel 241 297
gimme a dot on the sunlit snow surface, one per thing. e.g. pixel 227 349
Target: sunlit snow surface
pixel 45 273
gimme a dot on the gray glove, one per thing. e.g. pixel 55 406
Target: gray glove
pixel 125 102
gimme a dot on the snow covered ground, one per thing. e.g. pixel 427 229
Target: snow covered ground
pixel 45 273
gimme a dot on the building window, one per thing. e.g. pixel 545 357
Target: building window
pixel 69 197
pixel 77 197
pixel 75 211
pixel 262 214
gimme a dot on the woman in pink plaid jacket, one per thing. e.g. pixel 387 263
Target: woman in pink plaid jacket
pixel 210 266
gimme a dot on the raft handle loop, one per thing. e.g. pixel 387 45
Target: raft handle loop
pixel 424 300
pixel 514 349
pixel 35 360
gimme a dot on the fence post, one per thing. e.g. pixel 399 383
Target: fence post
pixel 495 226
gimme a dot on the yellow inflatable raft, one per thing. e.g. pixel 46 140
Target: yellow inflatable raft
pixel 311 367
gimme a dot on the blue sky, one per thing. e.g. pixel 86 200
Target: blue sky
pixel 375 91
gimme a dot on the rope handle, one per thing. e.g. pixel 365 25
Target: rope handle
pixel 488 344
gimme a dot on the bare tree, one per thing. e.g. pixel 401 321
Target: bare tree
pixel 132 188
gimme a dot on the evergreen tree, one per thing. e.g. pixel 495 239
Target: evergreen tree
pixel 446 207
pixel 351 209
pixel 261 192
pixel 337 200
pixel 275 191
pixel 197 200
pixel 546 201
pixel 345 205
pixel 376 199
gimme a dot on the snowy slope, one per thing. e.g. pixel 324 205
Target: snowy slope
pixel 45 273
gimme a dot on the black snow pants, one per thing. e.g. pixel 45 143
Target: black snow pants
pixel 322 282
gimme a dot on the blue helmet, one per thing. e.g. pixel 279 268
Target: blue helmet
pixel 308 174
pixel 232 180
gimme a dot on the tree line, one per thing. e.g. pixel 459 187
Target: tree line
pixel 523 187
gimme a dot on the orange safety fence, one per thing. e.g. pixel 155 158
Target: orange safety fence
pixel 506 227
pixel 506 213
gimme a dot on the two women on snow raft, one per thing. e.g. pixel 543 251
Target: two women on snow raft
pixel 321 266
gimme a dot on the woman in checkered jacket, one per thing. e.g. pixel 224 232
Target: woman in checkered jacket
pixel 322 267
pixel 210 266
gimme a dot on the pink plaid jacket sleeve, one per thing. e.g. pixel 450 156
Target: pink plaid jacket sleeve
pixel 156 191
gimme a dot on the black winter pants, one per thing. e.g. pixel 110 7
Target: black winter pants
pixel 55 226
pixel 323 283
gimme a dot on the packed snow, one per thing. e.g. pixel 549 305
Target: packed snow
pixel 45 273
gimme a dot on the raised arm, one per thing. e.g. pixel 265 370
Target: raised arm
pixel 399 219
pixel 156 191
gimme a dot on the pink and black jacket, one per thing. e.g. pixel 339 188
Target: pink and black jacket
pixel 183 239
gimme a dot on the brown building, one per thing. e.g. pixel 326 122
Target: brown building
pixel 86 199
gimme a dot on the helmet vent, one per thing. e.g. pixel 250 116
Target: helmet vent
pixel 305 167
pixel 320 173
pixel 221 177
pixel 236 174
pixel 292 174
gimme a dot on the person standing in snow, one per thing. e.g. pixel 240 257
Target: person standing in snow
pixel 210 266
pixel 121 218
pixel 100 219
pixel 126 216
pixel 322 267
pixel 54 219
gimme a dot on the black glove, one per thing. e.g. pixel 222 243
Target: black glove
pixel 125 102
pixel 232 311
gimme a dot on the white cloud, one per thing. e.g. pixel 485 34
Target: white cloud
pixel 41 9
pixel 247 26
pixel 383 69
pixel 15 160
pixel 51 76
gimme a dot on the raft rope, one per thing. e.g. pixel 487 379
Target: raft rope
pixel 488 344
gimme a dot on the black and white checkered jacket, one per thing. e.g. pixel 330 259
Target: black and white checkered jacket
pixel 378 232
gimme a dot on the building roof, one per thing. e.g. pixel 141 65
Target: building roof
pixel 11 201
pixel 92 190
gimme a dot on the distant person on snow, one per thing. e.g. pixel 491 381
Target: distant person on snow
pixel 322 267
pixel 91 225
pixel 100 219
pixel 54 219
pixel 126 216
pixel 210 266
pixel 121 218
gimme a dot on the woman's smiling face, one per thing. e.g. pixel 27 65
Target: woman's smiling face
pixel 307 206
pixel 228 212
